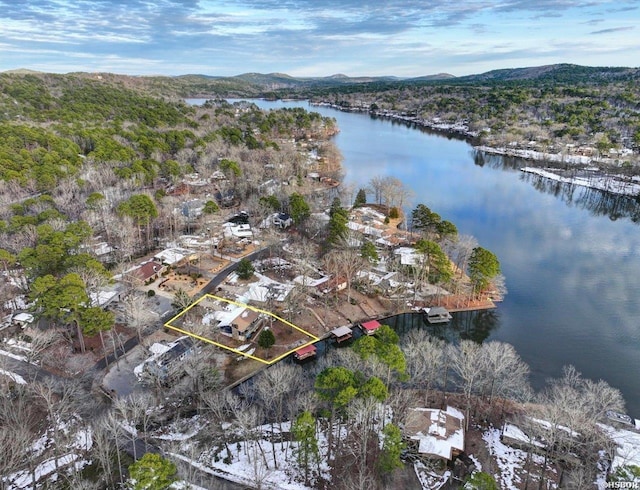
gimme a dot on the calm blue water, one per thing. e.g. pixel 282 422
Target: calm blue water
pixel 570 257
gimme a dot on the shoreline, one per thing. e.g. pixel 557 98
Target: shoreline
pixel 600 179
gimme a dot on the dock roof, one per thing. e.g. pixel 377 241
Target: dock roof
pixel 371 325
pixel 341 331
pixel 306 350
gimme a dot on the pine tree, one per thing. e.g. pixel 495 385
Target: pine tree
pixel 266 339
pixel 245 269
pixel 361 198
pixel 304 432
pixel 152 472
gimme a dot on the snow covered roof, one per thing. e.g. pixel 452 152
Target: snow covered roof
pixel 240 231
pixel 365 229
pixel 408 255
pixel 23 318
pixel 513 432
pixel 172 256
pixel 224 317
pixel 102 248
pixel 307 281
pixel 102 297
pixel 438 432
pixel 264 289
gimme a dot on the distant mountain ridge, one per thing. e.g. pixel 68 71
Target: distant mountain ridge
pixel 280 84
pixel 261 83
pixel 558 72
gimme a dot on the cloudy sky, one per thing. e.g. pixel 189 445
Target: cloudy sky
pixel 315 37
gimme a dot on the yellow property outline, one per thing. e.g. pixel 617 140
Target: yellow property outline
pixel 217 344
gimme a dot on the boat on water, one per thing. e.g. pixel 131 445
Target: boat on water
pixel 623 418
pixel 437 314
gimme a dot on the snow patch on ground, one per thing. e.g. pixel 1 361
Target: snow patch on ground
pixel 608 183
pixel 510 461
pixel 24 479
pixel 430 480
pixel 13 356
pixel 628 446
pixel 16 378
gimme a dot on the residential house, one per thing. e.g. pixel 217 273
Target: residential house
pixel 174 256
pixel 246 324
pixel 237 231
pixel 435 433
pixel 282 220
pixel 168 364
pixel 192 209
pixel 225 198
pixel 238 322
pixel 148 271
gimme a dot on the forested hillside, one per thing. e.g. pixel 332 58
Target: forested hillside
pixel 542 108
pixel 545 113
pixel 91 156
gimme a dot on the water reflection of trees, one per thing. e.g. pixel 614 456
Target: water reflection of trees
pixel 597 202
pixel 468 325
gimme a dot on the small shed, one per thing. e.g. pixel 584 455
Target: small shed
pixel 342 334
pixel 305 352
pixel 23 319
pixel 337 284
pixel 370 327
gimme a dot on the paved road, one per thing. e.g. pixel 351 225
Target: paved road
pixel 211 286
pixel 137 446
pixel 128 345
pixel 25 369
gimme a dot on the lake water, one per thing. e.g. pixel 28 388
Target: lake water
pixel 570 255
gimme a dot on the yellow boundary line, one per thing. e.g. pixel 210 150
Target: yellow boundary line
pixel 231 349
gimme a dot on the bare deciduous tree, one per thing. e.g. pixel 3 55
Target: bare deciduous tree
pixel 273 385
pixel 137 312
pixel 424 355
pixel 344 263
pixel 467 363
pixel 504 373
